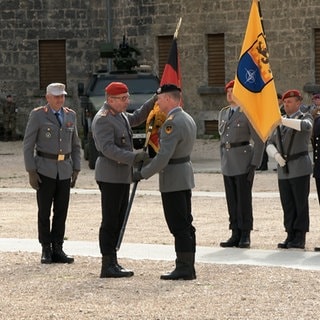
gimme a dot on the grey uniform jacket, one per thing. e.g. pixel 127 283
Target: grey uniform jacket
pixel 237 160
pixel 177 136
pixel 43 133
pixel 302 165
pixel 112 135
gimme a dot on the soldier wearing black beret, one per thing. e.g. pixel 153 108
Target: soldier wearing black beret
pixel 176 178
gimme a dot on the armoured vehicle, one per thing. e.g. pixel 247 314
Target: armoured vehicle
pixel 142 85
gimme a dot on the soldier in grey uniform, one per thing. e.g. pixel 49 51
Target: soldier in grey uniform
pixel 176 179
pixel 239 159
pixel 111 128
pixel 315 140
pixel 52 158
pixel 294 168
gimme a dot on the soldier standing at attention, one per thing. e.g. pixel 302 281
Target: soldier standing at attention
pixel 315 140
pixel 52 158
pixel 176 179
pixel 112 133
pixel 294 168
pixel 239 160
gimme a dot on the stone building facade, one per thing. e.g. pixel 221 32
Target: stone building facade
pixel 291 28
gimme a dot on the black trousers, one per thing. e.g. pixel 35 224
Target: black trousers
pixel 56 193
pixel 114 203
pixel 294 194
pixel 177 211
pixel 317 180
pixel 239 201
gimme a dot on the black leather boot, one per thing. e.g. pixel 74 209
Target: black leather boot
pixel 233 241
pixel 46 256
pixel 58 255
pixel 298 241
pixel 184 268
pixel 244 239
pixel 284 244
pixel 111 269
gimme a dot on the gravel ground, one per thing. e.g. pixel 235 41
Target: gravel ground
pixel 30 290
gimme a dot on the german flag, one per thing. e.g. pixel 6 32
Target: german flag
pixel 171 74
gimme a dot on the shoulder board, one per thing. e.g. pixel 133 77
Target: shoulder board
pixel 66 109
pixel 104 112
pixel 44 108
pixel 224 108
pixel 170 117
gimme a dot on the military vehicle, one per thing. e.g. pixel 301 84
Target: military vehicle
pixel 142 85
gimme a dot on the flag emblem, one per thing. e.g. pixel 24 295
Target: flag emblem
pixel 253 70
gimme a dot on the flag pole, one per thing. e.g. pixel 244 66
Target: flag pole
pixel 286 169
pixel 133 191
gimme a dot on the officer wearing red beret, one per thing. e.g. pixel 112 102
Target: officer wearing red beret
pixel 111 129
pixel 294 168
pixel 315 107
pixel 239 159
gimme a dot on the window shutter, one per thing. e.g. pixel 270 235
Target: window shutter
pixel 164 46
pixel 216 60
pixel 52 62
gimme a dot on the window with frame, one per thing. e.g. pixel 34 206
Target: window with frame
pixel 216 60
pixel 52 62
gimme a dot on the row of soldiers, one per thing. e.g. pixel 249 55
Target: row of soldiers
pixel 289 146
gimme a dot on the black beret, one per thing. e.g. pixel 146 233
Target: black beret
pixel 168 88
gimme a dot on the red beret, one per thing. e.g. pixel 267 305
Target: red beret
pixel 316 96
pixel 230 84
pixel 292 93
pixel 116 88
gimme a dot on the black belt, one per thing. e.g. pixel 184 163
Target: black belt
pixel 179 160
pixel 229 145
pixel 59 157
pixel 296 156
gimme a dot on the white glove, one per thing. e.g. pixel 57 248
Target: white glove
pixel 279 159
pixel 273 152
pixel 292 123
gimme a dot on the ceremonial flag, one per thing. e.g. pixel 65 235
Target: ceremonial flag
pixel 171 74
pixel 254 88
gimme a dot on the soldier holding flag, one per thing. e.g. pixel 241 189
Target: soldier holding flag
pixel 294 168
pixel 239 160
pixel 176 178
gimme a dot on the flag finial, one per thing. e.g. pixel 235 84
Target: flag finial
pixel 175 36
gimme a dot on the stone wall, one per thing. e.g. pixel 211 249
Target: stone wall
pixel 288 26
pixel 84 24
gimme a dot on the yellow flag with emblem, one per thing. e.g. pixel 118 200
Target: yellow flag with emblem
pixel 254 87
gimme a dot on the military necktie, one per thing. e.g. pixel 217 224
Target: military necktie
pixel 231 111
pixel 58 118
